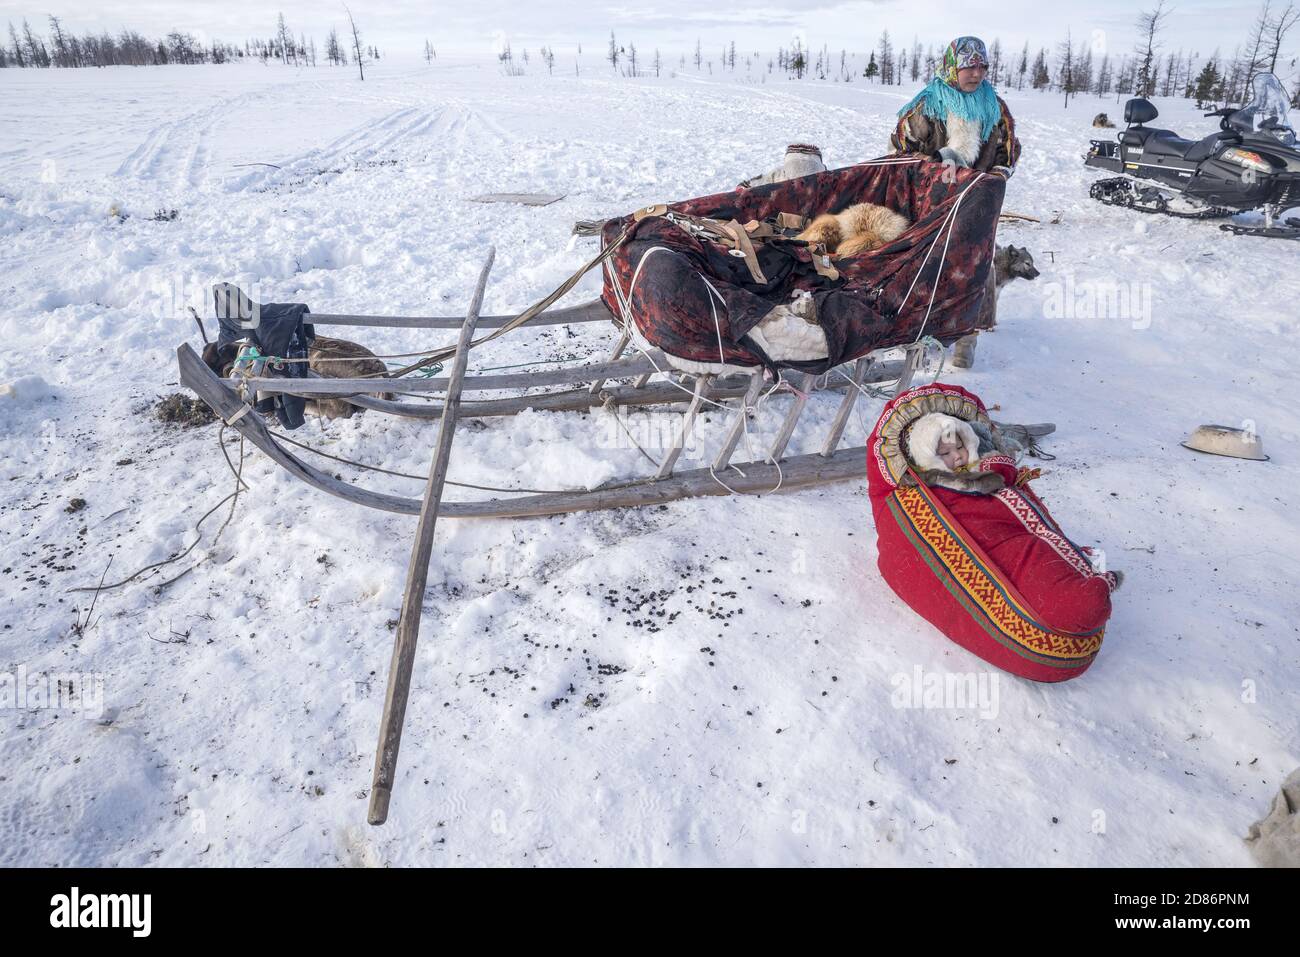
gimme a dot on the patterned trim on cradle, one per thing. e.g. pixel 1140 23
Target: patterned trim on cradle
pixel 978 589
pixel 888 448
pixel 1038 525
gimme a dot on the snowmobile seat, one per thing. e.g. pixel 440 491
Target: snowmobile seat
pixel 1168 143
pixel 1138 111
pixel 1207 147
pixel 1134 137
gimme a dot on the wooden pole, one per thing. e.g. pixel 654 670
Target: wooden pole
pixel 408 626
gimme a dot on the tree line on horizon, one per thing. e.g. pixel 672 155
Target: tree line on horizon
pixel 1069 68
pixel 65 50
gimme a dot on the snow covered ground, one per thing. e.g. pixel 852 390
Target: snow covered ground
pixel 721 681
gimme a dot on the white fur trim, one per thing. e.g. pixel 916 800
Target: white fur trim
pixel 929 430
pixel 786 336
pixel 964 138
pixel 687 365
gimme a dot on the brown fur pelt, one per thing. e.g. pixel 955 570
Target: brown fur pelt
pixel 329 358
pixel 858 229
pixel 985 483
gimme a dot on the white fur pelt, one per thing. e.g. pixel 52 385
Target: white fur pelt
pixel 790 333
pixel 930 430
pixel 964 140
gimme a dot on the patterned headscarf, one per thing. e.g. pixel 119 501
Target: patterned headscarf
pixel 962 53
pixel 942 96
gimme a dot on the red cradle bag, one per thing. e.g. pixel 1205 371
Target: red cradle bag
pixel 993 572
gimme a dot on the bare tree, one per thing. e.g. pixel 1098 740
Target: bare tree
pixel 37 55
pixel 283 38
pixel 1150 22
pixel 18 50
pixel 886 60
pixel 1281 26
pixel 62 49
pixel 1067 79
pixel 356 44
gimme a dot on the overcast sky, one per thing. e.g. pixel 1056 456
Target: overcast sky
pixel 399 27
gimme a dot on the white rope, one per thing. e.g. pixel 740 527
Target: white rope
pixel 943 258
pixel 625 305
pixel 712 308
pixel 948 220
pixel 625 300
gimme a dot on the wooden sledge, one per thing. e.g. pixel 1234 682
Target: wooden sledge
pixel 620 381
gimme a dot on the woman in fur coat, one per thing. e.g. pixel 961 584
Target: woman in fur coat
pixel 957 117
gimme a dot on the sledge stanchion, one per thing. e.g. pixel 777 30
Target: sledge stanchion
pixel 408 625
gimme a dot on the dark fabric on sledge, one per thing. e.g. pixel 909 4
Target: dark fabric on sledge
pixel 675 310
pixel 280 332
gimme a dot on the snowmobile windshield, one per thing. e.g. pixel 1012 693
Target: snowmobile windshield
pixel 1267 112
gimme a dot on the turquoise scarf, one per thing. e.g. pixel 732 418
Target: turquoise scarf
pixel 938 99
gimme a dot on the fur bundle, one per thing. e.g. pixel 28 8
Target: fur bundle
pixel 330 358
pixel 858 229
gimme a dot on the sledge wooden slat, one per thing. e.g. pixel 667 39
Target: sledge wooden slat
pixel 593 311
pixel 846 407
pixel 571 400
pixel 805 386
pixel 688 424
pixel 576 400
pixel 623 339
pixel 911 360
pixel 728 449
pixel 417 574
pixel 620 369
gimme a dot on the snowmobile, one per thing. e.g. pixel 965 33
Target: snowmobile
pixel 1251 163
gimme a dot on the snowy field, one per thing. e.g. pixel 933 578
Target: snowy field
pixel 713 682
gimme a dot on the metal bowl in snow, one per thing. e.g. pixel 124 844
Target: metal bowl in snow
pixel 1225 440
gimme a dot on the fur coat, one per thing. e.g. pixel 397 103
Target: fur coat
pixel 918 133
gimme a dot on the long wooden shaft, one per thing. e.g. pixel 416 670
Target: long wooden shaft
pixel 408 626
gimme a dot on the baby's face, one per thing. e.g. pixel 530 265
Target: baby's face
pixel 954 453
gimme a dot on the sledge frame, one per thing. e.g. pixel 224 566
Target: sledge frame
pixel 594 389
pixel 759 476
pixel 774 472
